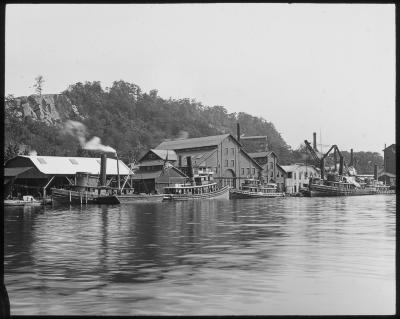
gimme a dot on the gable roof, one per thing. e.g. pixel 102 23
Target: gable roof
pixel 192 142
pixel 165 154
pixel 58 165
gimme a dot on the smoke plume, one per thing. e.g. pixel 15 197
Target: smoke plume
pixel 79 131
pixel 33 153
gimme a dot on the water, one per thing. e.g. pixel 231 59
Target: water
pixel 305 256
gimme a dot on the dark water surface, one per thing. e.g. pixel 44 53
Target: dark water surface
pixel 275 256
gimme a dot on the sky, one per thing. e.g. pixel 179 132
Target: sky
pixel 325 68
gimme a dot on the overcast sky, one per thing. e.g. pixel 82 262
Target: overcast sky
pixel 328 68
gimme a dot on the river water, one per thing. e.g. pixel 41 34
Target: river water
pixel 283 256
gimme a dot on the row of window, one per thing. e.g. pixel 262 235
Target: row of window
pixel 227 151
pixel 294 176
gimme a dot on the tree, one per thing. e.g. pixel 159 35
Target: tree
pixel 39 80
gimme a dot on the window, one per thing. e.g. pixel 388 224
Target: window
pixel 289 175
pixel 248 171
pixel 271 165
pixel 41 160
pixel 226 163
pixel 294 175
pixel 242 171
pixel 254 170
pixel 226 151
pixel 233 151
pixel 73 161
pixel 232 163
pixel 300 175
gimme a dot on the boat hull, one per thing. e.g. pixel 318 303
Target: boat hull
pixel 326 191
pixel 13 202
pixel 128 199
pixel 222 193
pixel 65 196
pixel 236 194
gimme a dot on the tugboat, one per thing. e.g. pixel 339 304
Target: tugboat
pixel 199 186
pixel 342 183
pixel 253 188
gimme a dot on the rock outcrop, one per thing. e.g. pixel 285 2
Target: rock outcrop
pixel 48 108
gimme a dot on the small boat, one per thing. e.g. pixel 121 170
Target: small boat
pixel 201 186
pixel 27 200
pixel 253 188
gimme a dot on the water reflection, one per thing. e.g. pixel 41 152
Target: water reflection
pixel 203 257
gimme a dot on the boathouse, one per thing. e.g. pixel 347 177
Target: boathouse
pixel 297 176
pixel 222 154
pixel 155 170
pixel 35 175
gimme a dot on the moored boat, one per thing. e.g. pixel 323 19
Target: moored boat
pixel 253 188
pixel 201 186
pixel 27 200
pixel 338 185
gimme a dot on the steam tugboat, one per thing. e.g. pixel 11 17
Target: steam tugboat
pixel 345 182
pixel 199 186
pixel 253 188
pixel 90 189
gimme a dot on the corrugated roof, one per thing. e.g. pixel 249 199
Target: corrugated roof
pixel 192 142
pixel 165 154
pixel 57 165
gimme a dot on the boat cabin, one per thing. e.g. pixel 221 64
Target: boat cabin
pixel 255 185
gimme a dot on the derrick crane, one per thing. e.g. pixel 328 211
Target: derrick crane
pixel 320 160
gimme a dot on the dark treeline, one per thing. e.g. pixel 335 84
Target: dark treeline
pixel 132 121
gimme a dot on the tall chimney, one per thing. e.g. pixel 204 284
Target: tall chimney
pixel 238 131
pixel 351 158
pixel 103 167
pixel 376 172
pixel 190 168
pixel 315 141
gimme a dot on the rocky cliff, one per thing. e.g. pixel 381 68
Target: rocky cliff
pixel 48 108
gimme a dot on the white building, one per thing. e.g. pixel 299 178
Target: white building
pixel 297 176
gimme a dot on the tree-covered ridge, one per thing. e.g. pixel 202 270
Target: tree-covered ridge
pixel 132 121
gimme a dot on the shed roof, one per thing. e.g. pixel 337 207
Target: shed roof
pixel 192 142
pixel 58 165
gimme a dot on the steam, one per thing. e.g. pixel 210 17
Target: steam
pixel 33 153
pixel 180 136
pixel 79 131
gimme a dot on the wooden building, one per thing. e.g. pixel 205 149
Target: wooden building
pixel 297 176
pixel 156 170
pixel 388 173
pixel 222 154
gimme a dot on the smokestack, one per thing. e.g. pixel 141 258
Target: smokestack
pixel 351 158
pixel 238 131
pixel 315 141
pixel 376 172
pixel 341 162
pixel 190 168
pixel 103 167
